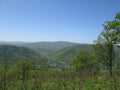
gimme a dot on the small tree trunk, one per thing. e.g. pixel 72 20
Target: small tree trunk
pixel 110 68
pixel 111 57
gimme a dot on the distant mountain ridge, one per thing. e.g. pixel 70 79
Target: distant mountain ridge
pixel 42 47
pixel 11 42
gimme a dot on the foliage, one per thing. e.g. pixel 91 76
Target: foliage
pixel 22 67
pixel 60 80
pixel 84 60
pixel 105 44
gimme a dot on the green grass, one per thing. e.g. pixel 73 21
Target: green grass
pixel 57 80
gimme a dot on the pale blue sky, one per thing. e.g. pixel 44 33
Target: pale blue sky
pixel 54 20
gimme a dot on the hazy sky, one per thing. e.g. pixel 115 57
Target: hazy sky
pixel 55 20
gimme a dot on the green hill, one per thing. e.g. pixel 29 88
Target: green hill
pixel 66 54
pixel 13 53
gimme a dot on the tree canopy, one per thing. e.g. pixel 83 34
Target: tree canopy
pixel 107 39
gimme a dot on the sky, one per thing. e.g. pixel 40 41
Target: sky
pixel 55 20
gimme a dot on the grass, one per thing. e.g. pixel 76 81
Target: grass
pixel 57 80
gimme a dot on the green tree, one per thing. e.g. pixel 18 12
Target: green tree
pixel 22 68
pixel 105 43
pixel 83 60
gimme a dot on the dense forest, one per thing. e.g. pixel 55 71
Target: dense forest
pixel 63 65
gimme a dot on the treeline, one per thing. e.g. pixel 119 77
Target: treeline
pixel 23 75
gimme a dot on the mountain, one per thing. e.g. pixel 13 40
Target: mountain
pixel 48 47
pixel 11 43
pixel 42 47
pixel 47 54
pixel 66 54
pixel 13 53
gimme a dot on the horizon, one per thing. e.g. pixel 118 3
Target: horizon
pixel 77 21
pixel 41 42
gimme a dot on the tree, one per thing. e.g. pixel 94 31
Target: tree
pixel 22 68
pixel 83 60
pixel 105 43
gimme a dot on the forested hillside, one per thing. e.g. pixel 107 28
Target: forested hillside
pixel 12 53
pixel 66 54
pixel 61 59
